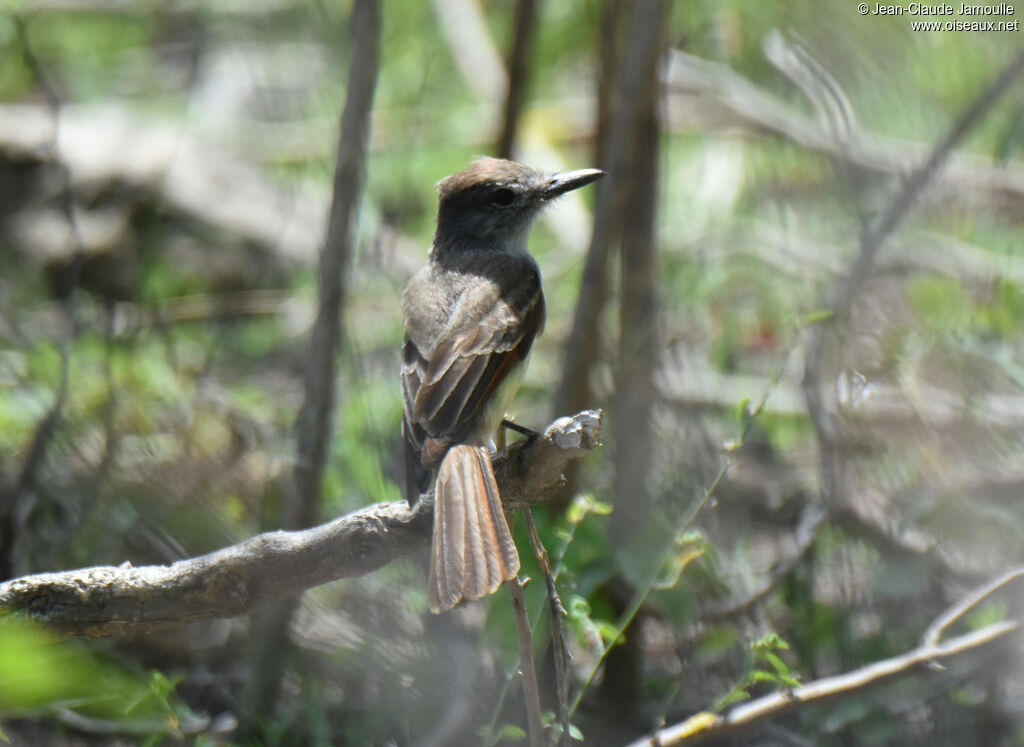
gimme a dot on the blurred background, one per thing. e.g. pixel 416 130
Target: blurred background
pixel 803 464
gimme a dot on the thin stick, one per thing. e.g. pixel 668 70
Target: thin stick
pixel 556 612
pixel 522 39
pixel 556 572
pixel 929 652
pixel 706 725
pixel 531 691
pixel 934 632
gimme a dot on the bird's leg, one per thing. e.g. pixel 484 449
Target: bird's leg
pixel 514 426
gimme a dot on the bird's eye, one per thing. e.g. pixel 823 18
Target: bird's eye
pixel 503 197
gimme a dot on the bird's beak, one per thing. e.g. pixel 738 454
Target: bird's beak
pixel 567 181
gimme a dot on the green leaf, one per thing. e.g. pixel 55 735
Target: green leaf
pixel 509 732
pixel 777 664
pixel 735 696
pixel 579 621
pixel 610 633
pixel 687 550
pixel 576 511
pixel 583 504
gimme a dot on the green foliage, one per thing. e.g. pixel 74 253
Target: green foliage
pixel 504 732
pixel 764 665
pixel 42 674
pixel 554 725
pixel 176 436
pixel 587 630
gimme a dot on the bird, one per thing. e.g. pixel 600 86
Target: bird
pixel 471 316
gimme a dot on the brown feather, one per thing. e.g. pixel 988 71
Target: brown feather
pixel 473 551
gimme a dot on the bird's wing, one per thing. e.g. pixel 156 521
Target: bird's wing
pixel 449 388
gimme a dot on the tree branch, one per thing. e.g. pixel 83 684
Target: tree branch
pixel 707 725
pixel 313 426
pixel 527 671
pixel 928 654
pixel 725 100
pixel 109 600
pixel 933 635
pixel 522 40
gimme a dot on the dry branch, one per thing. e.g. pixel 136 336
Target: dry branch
pixel 929 655
pixel 527 671
pixel 314 424
pixel 730 99
pixel 109 600
pixel 313 427
pixel 522 41
pixel 707 726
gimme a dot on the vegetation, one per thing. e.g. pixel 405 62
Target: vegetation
pixel 812 392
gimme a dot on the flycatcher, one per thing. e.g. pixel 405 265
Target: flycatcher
pixel 471 316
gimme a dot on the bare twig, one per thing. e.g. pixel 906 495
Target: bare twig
pixel 639 61
pixel 531 690
pixel 473 50
pixel 313 425
pixel 639 341
pixel 706 725
pixel 555 614
pixel 555 573
pixel 792 58
pixel 14 504
pixel 929 653
pixel 638 65
pixel 110 600
pixel 933 634
pixel 314 421
pixel 880 403
pixel 13 497
pixel 525 22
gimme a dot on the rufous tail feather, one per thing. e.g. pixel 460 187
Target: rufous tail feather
pixel 472 552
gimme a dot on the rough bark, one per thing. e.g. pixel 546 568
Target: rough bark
pixel 112 600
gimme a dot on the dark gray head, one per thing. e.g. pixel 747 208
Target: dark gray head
pixel 492 203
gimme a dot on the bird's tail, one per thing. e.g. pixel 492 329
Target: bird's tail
pixel 472 551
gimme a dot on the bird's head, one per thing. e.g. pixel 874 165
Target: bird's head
pixel 492 203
